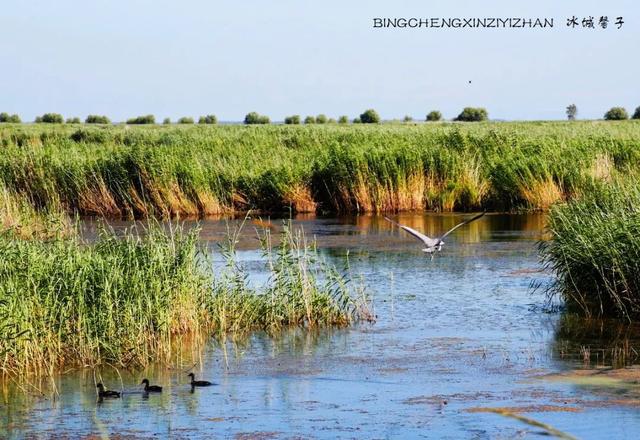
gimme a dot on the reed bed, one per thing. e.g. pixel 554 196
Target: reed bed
pixel 126 299
pixel 594 250
pixel 199 170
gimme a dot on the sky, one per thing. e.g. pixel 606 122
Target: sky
pixel 124 58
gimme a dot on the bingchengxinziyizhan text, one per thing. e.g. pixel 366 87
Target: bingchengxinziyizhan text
pixel 573 22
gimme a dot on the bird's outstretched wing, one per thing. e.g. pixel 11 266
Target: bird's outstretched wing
pixel 419 235
pixel 466 222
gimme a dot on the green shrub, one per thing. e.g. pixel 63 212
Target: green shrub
pixel 166 121
pixel 616 114
pixel 208 119
pixel 75 120
pixel 185 120
pixel 331 121
pixel 50 118
pixel 6 117
pixel 370 117
pixel 636 114
pixel 97 119
pixel 471 114
pixel 309 120
pixel 434 116
pixel 292 120
pixel 357 121
pixel 321 119
pixel 141 120
pixel 256 118
pixel 407 118
pixel 343 119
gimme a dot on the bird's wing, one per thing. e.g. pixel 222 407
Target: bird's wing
pixel 419 235
pixel 467 221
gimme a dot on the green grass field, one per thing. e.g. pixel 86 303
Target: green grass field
pixel 201 170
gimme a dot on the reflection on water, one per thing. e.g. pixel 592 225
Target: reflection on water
pixel 596 342
pixel 454 335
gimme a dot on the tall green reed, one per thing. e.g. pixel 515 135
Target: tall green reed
pixel 594 251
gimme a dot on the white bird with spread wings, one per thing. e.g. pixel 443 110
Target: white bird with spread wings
pixel 433 244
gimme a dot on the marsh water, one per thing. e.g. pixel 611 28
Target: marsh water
pixel 461 343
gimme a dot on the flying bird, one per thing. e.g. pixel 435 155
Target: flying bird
pixel 434 244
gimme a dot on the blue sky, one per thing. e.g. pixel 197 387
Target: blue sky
pixel 124 58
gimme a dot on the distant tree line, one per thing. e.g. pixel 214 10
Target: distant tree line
pixel 369 116
pixel 613 114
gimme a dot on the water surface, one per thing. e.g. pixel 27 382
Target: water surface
pixel 454 335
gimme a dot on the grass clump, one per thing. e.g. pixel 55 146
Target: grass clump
pixel 119 300
pixel 127 298
pixel 302 290
pixel 594 251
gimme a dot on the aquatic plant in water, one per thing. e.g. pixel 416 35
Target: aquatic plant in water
pixel 594 250
pixel 126 298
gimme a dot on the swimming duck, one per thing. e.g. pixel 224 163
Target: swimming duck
pixel 102 393
pixel 198 383
pixel 150 388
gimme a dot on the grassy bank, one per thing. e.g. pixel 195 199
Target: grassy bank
pixel 127 300
pixel 595 251
pixel 137 171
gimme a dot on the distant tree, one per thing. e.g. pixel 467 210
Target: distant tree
pixel 357 121
pixel 146 119
pixel 75 120
pixel 370 117
pixel 166 121
pixel 407 118
pixel 50 118
pixel 256 118
pixel 321 119
pixel 471 114
pixel 616 114
pixel 310 120
pixel 38 119
pixel 6 117
pixel 97 119
pixel 636 114
pixel 434 116
pixel 208 119
pixel 185 120
pixel 572 112
pixel 331 121
pixel 292 120
pixel 343 119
